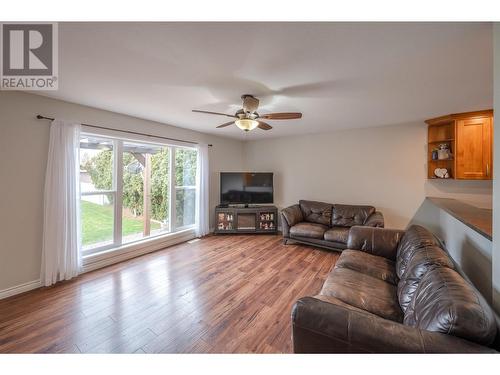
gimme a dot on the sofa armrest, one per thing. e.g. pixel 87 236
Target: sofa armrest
pixel 326 327
pixel 375 220
pixel 377 241
pixel 285 228
pixel 293 215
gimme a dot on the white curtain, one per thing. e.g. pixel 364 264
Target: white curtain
pixel 202 181
pixel 61 256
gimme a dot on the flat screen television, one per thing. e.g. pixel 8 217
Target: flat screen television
pixel 246 188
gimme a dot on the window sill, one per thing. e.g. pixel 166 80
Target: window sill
pixel 118 254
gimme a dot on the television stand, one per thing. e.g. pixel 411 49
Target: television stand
pixel 261 219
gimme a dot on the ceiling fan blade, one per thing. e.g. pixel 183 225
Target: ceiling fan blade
pixel 264 126
pixel 226 124
pixel 214 113
pixel 282 116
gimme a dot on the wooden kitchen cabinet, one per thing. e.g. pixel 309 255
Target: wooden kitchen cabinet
pixel 469 137
pixel 474 143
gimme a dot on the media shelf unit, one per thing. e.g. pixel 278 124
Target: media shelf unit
pixel 256 219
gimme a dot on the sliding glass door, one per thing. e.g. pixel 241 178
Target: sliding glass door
pixel 185 187
pixel 98 191
pixel 131 191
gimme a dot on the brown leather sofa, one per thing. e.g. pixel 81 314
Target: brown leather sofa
pixel 395 292
pixel 325 224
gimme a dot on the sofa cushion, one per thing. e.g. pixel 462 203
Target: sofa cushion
pixel 309 230
pixel 445 302
pixel 376 241
pixel 293 214
pixel 364 292
pixel 337 234
pixel 316 212
pixel 345 215
pixel 415 238
pixel 422 261
pixel 372 265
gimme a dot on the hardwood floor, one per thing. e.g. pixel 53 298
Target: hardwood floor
pixel 221 294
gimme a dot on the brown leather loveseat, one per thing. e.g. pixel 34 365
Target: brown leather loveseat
pixel 394 292
pixel 325 224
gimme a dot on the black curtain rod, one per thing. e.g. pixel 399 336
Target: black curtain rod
pixel 40 117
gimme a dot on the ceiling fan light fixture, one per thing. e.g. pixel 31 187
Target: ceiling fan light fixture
pixel 246 124
pixel 247 118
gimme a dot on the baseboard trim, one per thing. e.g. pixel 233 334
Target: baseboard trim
pixel 21 288
pixel 92 263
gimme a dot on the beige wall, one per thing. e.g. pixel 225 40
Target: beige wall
pixel 382 166
pixel 23 155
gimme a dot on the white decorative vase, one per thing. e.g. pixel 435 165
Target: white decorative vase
pixel 443 154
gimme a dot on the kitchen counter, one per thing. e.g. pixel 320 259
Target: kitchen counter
pixel 478 219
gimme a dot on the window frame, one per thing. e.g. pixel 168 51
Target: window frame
pixel 117 191
pixel 182 187
pixel 112 192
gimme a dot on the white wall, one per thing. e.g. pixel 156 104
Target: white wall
pixel 382 166
pixel 496 173
pixel 23 156
pixel 477 193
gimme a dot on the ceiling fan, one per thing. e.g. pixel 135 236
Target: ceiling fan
pixel 248 119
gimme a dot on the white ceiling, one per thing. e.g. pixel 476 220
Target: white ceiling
pixel 339 75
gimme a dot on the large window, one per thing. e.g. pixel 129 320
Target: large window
pixel 134 190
